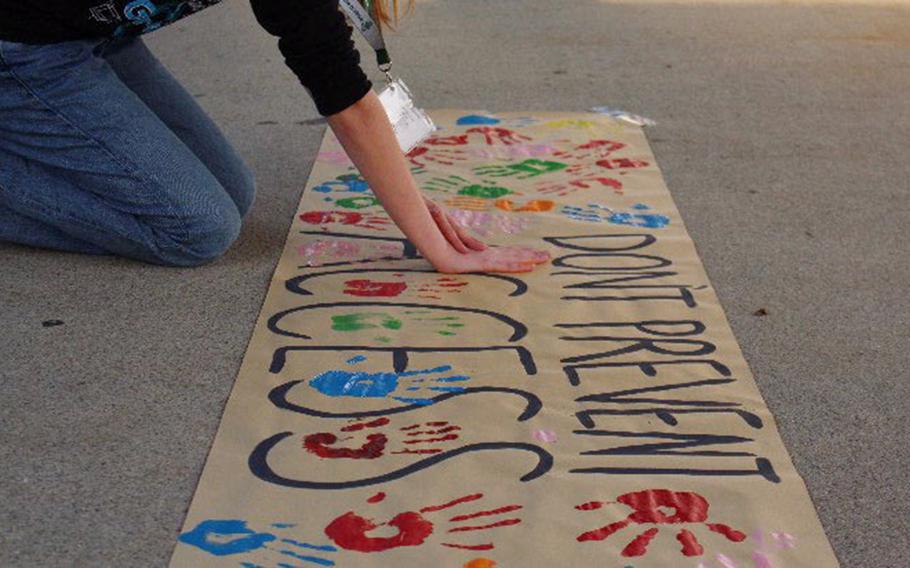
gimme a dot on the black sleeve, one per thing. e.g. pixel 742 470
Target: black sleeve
pixel 316 43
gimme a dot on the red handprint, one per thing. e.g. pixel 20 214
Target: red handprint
pixel 585 153
pixel 649 508
pixel 371 288
pixel 427 153
pixel 562 189
pixel 438 149
pixel 597 148
pixel 444 284
pixel 455 140
pixel 429 433
pixel 492 135
pixel 622 164
pixel 366 221
pixel 349 531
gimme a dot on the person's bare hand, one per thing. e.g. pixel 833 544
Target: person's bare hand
pixel 454 233
pixel 491 259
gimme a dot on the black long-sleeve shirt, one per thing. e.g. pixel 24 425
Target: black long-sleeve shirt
pixel 313 35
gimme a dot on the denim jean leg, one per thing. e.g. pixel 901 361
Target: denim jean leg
pixel 16 227
pixel 146 76
pixel 81 152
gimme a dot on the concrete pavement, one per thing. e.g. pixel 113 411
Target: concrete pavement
pixel 783 136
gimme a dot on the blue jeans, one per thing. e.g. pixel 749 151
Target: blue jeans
pixel 103 151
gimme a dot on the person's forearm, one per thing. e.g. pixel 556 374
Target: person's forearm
pixel 366 135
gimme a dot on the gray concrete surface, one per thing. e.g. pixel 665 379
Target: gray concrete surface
pixel 783 135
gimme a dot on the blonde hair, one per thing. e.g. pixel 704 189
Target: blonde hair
pixel 386 12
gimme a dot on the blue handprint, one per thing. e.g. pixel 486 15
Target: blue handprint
pixel 353 183
pixel 474 119
pixel 601 214
pixel 225 537
pixel 338 383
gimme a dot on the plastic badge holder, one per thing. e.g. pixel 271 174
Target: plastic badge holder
pixel 411 124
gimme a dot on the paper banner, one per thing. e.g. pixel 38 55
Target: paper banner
pixel 594 413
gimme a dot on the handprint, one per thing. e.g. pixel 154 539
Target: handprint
pixel 650 507
pixel 362 321
pixel 492 135
pixel 319 251
pixel 438 149
pixel 426 288
pixel 370 288
pixel 638 219
pixel 596 149
pixel 484 191
pixel 404 386
pixel 422 438
pixel 765 549
pixel 353 183
pixel 350 531
pixel 486 224
pixel 366 221
pixel 516 151
pixel 622 164
pixel 424 155
pixel 565 188
pixel 595 213
pixel 520 170
pixel 480 119
pixel 359 202
pixel 584 154
pixel 468 203
pixel 230 537
pixel 471 119
pixel 442 285
pixel 480 563
pixel 440 325
pixel 359 321
pixel 445 184
pixel 590 213
pixel 532 206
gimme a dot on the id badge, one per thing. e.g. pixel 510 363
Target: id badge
pixel 411 124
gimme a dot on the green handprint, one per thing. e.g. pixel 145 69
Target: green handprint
pixel 521 170
pixel 356 322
